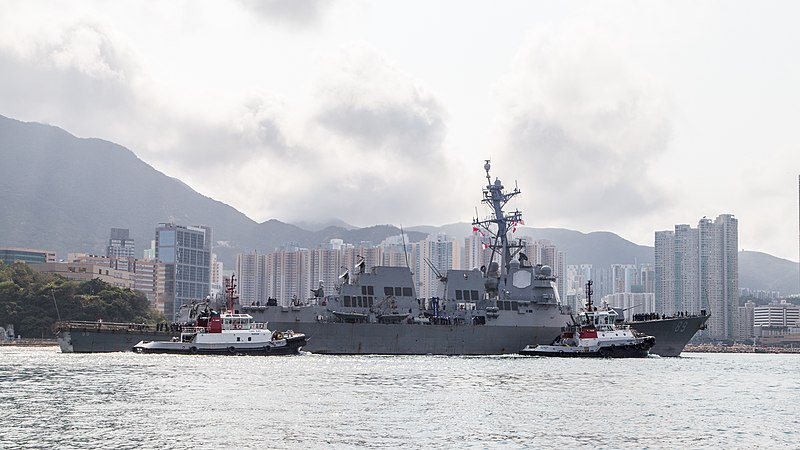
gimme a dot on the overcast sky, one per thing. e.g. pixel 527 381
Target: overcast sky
pixel 628 117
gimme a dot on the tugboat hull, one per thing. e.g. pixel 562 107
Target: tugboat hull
pixel 292 345
pixel 628 351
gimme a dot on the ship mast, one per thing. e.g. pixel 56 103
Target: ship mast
pixel 496 198
pixel 589 291
pixel 230 293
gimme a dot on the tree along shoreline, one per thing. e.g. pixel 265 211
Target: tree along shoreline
pixel 33 302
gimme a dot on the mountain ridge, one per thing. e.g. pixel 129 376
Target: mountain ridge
pixel 64 193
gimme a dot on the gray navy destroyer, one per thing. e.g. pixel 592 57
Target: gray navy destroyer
pixel 498 309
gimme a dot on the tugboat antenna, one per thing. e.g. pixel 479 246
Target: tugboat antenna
pixel 589 293
pixel 230 290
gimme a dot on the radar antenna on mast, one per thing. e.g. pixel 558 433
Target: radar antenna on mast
pixel 495 196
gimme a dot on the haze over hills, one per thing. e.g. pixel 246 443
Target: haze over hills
pixel 762 271
pixel 63 193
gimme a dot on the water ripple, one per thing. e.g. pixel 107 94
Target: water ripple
pixel 128 401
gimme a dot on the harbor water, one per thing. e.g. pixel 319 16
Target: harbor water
pixel 49 399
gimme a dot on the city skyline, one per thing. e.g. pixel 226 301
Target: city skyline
pixel 607 118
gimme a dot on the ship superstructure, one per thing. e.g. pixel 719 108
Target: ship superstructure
pixel 497 309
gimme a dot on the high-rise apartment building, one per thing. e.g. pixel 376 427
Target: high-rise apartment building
pixel 186 254
pixel 251 269
pixel 217 278
pixel 443 253
pixel 397 251
pixel 576 277
pixel 743 330
pixel 326 266
pixel 288 274
pixel 697 269
pixel 623 278
pixel 647 276
pixel 120 244
pixel 476 251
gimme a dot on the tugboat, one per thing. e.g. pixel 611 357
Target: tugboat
pixel 227 333
pixel 595 334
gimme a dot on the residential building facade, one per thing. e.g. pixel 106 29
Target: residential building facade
pixel 696 269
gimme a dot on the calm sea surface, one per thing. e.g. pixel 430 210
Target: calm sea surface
pixel 124 400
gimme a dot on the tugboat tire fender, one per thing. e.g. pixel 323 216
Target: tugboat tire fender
pixel 193 350
pixel 231 349
pixel 277 335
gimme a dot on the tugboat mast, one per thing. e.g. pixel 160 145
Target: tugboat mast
pixel 230 293
pixel 589 291
pixel 496 198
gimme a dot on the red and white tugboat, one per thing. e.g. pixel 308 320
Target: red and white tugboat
pixel 596 334
pixel 227 333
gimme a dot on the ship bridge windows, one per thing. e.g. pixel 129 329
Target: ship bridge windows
pixel 507 305
pixel 358 301
pixel 467 295
pixel 397 291
pixel 367 290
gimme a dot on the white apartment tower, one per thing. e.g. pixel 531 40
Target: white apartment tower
pixel 288 275
pixel 326 265
pixel 217 283
pixel 444 253
pixel 251 269
pixel 697 269
pixel 397 251
pixel 476 251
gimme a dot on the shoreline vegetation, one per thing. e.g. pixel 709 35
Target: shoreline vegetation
pixel 738 348
pixel 25 342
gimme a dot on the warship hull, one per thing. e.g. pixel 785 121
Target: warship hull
pixel 409 339
pixel 92 337
pixel 671 334
pixel 351 339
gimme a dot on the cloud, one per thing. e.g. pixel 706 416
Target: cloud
pixel 585 126
pixel 305 13
pixel 79 77
pixel 356 150
pixel 365 99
